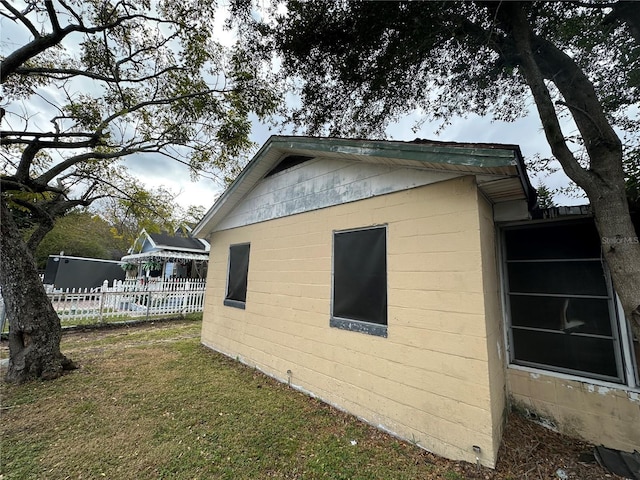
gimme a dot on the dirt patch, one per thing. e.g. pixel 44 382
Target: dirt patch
pixel 531 452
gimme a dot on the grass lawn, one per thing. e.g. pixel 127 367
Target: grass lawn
pixel 156 404
pixel 151 402
pixel 113 321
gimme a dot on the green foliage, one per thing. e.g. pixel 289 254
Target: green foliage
pixel 129 267
pixel 86 111
pixel 357 73
pixel 80 234
pixel 152 265
pixel 152 209
pixel 148 78
pixel 545 197
pixel 358 65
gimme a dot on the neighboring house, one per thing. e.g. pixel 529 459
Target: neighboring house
pixel 406 283
pixel 167 255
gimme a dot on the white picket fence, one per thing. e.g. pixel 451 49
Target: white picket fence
pixel 127 300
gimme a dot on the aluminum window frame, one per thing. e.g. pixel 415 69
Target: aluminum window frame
pixel 616 317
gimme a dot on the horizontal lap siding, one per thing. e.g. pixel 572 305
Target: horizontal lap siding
pixel 428 381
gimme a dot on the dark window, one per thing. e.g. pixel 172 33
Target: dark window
pixel 554 241
pixel 557 276
pixel 237 278
pixel 560 300
pixel 360 280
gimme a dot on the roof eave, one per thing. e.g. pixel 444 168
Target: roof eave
pixel 444 153
pixel 199 229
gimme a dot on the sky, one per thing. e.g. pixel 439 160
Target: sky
pixel 158 171
pixel 525 132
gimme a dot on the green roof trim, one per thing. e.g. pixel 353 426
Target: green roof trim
pixel 472 156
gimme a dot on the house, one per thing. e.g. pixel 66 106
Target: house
pixel 407 283
pixel 168 255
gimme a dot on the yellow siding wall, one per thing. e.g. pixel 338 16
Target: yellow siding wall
pixel 493 319
pixel 601 415
pixel 429 380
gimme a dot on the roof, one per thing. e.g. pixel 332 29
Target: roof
pixel 180 240
pixel 499 169
pixel 68 257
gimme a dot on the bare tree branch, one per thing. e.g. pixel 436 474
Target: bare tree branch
pixel 38 45
pixel 57 169
pixel 14 138
pixel 23 19
pixel 67 73
pixel 53 16
pixel 72 12
pixel 160 101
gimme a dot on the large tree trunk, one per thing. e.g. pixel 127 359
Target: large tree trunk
pixel 620 248
pixel 604 180
pixel 34 326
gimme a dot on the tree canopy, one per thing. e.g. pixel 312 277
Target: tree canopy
pixel 120 79
pixel 80 234
pixel 110 226
pixel 87 85
pixel 357 65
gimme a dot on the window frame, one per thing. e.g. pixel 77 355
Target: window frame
pixel 357 325
pixel 627 374
pixel 233 302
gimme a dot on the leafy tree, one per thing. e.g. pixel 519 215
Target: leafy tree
pixel 123 79
pixel 545 197
pixel 80 234
pixel 151 209
pixel 109 227
pixel 358 65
